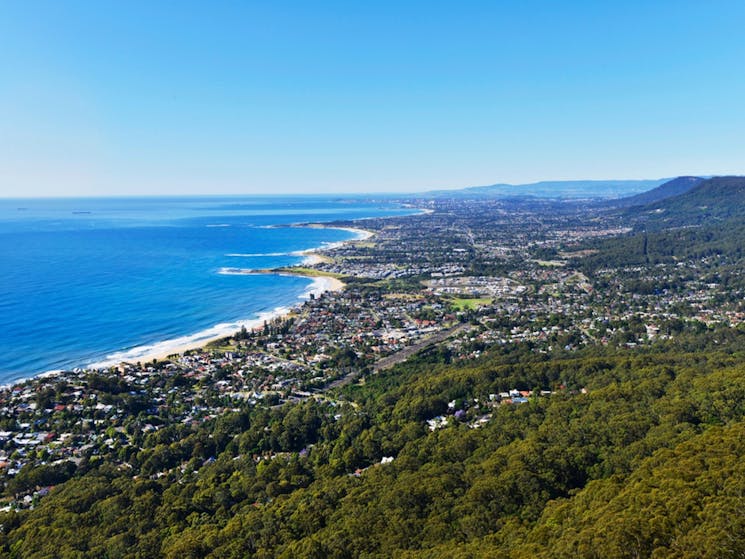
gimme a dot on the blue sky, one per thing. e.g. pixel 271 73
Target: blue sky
pixel 144 97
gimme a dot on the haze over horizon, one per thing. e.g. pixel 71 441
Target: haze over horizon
pixel 137 98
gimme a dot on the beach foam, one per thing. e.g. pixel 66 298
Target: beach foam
pixel 160 350
pixel 258 254
pixel 100 304
pixel 235 271
pixel 320 285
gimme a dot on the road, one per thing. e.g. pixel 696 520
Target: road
pixel 404 354
pixel 400 356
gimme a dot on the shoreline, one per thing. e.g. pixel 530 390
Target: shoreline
pixel 362 234
pixel 162 350
pixel 319 285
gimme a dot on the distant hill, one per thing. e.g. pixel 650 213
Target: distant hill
pixel 707 220
pixel 713 200
pixel 553 189
pixel 675 187
pixel 718 193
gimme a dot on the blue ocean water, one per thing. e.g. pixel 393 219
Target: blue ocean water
pixel 83 281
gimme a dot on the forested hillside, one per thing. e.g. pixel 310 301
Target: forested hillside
pixel 713 200
pixel 631 455
pixel 704 222
pixel 591 406
pixel 674 187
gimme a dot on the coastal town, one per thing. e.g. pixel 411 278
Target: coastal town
pixel 381 280
pixel 455 277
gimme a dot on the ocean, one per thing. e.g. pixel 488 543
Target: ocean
pixel 90 282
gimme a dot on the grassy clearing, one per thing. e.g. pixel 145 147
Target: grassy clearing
pixel 463 304
pixel 551 263
pixel 310 272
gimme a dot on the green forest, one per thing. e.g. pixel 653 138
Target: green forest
pixel 632 455
pixel 610 449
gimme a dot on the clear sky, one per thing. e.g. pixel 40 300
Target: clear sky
pixel 108 97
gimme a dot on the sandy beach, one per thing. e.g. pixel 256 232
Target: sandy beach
pixel 162 350
pixel 362 234
pixel 312 256
pixel 312 259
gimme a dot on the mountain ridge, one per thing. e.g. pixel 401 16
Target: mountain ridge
pixel 572 189
pixel 675 187
pixel 715 199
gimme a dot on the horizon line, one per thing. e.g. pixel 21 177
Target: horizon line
pixel 342 193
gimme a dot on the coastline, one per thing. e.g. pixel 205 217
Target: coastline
pixel 162 350
pixel 362 234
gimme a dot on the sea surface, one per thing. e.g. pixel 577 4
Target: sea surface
pixel 93 281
